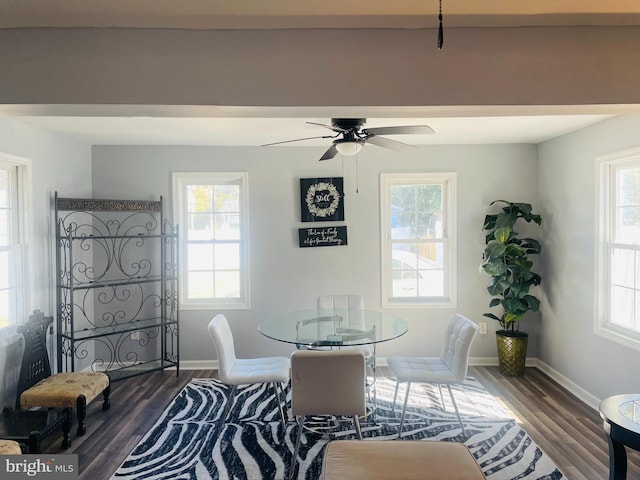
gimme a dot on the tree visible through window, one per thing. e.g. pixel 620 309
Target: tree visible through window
pixel 212 214
pixel 417 237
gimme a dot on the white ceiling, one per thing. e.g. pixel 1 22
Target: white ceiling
pixel 228 126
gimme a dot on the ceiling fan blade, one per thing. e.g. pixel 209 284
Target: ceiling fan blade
pixel 329 154
pixel 390 144
pixel 330 127
pixel 401 130
pixel 296 140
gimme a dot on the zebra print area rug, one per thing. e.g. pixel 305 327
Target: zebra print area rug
pixel 189 441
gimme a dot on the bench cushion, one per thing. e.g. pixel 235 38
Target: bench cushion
pixel 399 459
pixel 63 389
pixel 9 447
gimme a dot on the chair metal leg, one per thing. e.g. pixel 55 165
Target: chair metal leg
pixel 395 395
pixel 404 409
pixel 356 423
pixel 455 405
pixel 280 403
pixel 294 460
pixel 444 407
pixel 227 409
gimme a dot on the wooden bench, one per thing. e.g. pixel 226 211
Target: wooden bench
pixel 399 459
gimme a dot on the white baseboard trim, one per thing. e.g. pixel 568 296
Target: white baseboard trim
pixel 198 364
pixel 565 382
pixel 574 388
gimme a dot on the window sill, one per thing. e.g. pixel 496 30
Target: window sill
pixel 419 303
pixel 628 340
pixel 214 306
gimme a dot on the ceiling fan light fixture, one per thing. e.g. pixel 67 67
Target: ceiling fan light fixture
pixel 348 147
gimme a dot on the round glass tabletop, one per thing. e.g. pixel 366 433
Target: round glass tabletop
pixel 333 327
pixel 631 410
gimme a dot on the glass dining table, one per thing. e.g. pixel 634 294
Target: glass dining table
pixel 336 328
pixel 333 327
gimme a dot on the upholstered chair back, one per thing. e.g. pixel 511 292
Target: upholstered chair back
pixel 354 302
pixel 35 361
pixel 457 345
pixel 328 382
pixel 223 342
pixel 354 318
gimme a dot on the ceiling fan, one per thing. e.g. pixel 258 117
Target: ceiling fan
pixel 350 137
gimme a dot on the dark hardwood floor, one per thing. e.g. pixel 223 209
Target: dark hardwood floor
pixel 569 431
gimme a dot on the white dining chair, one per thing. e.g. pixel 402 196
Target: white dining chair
pixel 243 371
pixel 332 303
pixel 354 303
pixel 326 383
pixel 450 368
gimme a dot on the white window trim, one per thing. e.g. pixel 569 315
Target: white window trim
pixel 179 181
pixel 449 179
pixel 25 224
pixel 604 202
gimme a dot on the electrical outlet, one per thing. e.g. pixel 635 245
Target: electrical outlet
pixel 483 328
pixel 135 335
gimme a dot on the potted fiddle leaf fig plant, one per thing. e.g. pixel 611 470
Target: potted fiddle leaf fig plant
pixel 506 259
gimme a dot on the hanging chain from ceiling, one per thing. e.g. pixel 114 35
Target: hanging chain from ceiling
pixel 440 32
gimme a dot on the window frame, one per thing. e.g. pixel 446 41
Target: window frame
pixel 606 166
pixel 448 180
pixel 21 219
pixel 180 181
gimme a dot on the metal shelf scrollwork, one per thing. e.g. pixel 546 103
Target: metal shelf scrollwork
pixel 117 298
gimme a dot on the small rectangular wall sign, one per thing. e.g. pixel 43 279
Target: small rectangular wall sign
pixel 322 236
pixel 322 199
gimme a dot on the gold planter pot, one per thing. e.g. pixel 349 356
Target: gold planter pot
pixel 512 352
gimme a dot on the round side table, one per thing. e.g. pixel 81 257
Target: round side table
pixel 621 421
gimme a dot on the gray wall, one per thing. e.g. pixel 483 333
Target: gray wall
pixel 569 205
pixel 325 67
pixel 58 163
pixel 285 277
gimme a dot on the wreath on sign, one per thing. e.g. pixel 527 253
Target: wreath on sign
pixel 320 211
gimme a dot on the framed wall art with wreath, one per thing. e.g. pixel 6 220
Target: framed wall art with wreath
pixel 322 199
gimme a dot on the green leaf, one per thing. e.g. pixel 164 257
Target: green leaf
pixel 510 317
pixel 494 302
pixel 532 302
pixel 490 315
pixel 514 250
pixel 495 267
pixel 531 245
pixel 489 222
pixel 494 249
pixel 502 234
pixel 498 287
pixel 506 220
pixel 524 209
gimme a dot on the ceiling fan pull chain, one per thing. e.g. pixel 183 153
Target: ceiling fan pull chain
pixel 357 182
pixel 440 32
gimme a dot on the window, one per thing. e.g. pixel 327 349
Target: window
pixel 618 312
pixel 13 251
pixel 212 213
pixel 418 241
